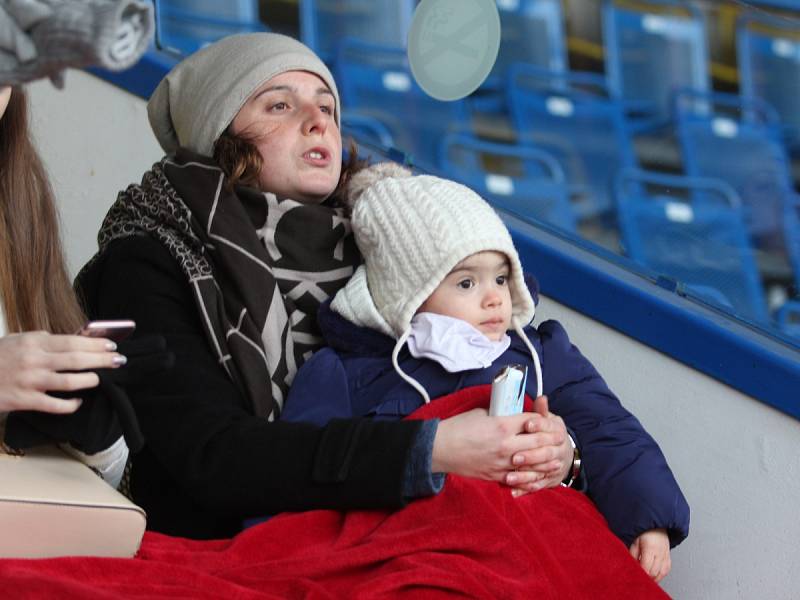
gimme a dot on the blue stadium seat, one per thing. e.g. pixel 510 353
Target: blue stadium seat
pixel 184 26
pixel 532 32
pixel 738 140
pixel 376 81
pixel 652 49
pixel 367 130
pixel 585 130
pixel 792 236
pixel 323 23
pixel 768 55
pixel 702 245
pixel 788 317
pixel 520 179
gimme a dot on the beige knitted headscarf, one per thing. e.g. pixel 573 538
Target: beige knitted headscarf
pixel 201 95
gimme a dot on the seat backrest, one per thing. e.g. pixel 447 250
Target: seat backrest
pixel 768 56
pixel 184 26
pixel 367 129
pixel 652 49
pixel 532 31
pixel 788 317
pixel 737 140
pixel 702 245
pixel 791 226
pixel 376 81
pixel 585 131
pixel 323 23
pixel 523 180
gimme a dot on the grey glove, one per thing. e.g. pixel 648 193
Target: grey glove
pixel 41 38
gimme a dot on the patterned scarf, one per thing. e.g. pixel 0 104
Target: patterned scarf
pixel 258 267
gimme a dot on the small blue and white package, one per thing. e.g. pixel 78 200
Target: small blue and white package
pixel 508 391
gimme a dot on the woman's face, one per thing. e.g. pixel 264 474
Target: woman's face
pixel 5 96
pixel 291 121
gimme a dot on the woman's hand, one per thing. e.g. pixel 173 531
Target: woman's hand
pixel 473 444
pixel 651 549
pixel 34 363
pixel 547 463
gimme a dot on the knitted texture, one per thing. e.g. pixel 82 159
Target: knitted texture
pixel 202 94
pixel 412 231
pixel 41 38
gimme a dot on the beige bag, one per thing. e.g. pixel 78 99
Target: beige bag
pixel 53 505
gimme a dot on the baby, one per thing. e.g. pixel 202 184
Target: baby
pixel 440 304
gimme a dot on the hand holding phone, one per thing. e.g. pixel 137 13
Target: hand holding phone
pixel 114 330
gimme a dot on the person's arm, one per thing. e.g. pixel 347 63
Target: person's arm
pixel 35 363
pixel 321 392
pixel 109 463
pixel 198 429
pixel 627 475
pixel 651 550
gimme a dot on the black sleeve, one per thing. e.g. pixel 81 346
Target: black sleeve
pixel 208 462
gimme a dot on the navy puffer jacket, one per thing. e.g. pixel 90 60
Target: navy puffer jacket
pixel 624 471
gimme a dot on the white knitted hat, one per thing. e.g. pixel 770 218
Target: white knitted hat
pixel 412 231
pixel 201 95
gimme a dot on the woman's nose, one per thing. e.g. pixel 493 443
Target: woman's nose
pixel 314 120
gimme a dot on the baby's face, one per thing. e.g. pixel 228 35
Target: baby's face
pixel 476 291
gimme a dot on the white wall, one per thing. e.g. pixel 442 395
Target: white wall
pixel 95 141
pixel 735 458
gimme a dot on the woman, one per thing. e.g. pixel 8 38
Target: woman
pixel 38 308
pixel 227 248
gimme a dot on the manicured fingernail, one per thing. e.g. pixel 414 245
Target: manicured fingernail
pixel 111 346
pixel 119 360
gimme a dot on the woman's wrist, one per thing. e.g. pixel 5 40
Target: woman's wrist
pixel 420 479
pixel 572 463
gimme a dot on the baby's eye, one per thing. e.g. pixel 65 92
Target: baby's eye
pixel 465 284
pixel 502 279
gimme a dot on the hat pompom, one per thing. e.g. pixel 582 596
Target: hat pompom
pixel 366 178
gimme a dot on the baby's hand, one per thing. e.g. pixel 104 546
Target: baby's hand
pixel 651 549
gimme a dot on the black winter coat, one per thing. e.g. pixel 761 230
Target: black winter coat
pixel 208 463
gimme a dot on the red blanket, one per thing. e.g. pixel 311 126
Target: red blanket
pixel 473 540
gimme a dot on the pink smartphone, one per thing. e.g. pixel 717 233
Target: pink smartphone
pixel 116 330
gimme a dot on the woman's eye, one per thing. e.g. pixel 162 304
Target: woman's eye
pixel 326 109
pixel 465 284
pixel 279 106
pixel 502 279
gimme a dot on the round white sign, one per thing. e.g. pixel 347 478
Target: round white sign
pixel 452 45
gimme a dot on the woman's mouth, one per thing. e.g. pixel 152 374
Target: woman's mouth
pixel 317 156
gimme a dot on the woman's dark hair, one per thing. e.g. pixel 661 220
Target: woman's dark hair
pixel 34 285
pixel 240 160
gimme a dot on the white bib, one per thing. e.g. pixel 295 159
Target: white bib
pixel 453 343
